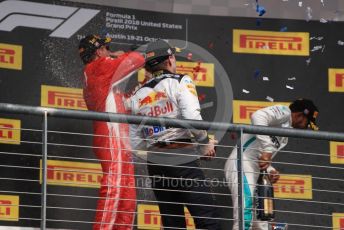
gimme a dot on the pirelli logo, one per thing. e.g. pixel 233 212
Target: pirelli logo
pixel 62 97
pixel 9 208
pixel 336 152
pixel 268 42
pixel 149 217
pixel 10 131
pixel 336 80
pixel 242 110
pixel 294 187
pixel 201 73
pixel 74 174
pixel 11 56
pixel 338 221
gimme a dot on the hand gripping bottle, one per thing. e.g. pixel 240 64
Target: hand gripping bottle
pixel 264 198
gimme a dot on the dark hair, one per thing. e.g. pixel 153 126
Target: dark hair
pixel 161 66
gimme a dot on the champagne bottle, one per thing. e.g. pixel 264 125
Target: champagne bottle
pixel 265 195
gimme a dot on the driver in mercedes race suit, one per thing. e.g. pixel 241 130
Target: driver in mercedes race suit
pixel 102 92
pixel 258 151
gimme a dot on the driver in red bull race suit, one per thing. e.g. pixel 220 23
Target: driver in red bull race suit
pixel 173 157
pixel 103 75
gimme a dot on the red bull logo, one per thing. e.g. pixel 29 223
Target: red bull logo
pixel 158 110
pixel 152 98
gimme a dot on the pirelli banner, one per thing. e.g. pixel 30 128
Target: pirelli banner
pixel 237 66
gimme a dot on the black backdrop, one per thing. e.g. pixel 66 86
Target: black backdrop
pixel 54 61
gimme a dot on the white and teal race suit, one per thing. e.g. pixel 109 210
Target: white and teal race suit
pixel 253 145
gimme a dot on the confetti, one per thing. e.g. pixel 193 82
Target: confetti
pixel 211 45
pixel 341 43
pixel 300 4
pixel 256 73
pixel 189 56
pixel 233 136
pixel 337 15
pixel 269 98
pixel 197 68
pixel 266 47
pixel 308 61
pixel 245 91
pixel 317 38
pixel 289 87
pixel 322 2
pixel 260 10
pixel 322 50
pixel 291 78
pixel 316 48
pixel 283 29
pixel 201 97
pixel 265 79
pixel 207 105
pixel 258 21
pixel 323 20
pixel 309 13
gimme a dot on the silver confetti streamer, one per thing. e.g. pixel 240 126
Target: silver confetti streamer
pixel 323 20
pixel 308 61
pixel 308 13
pixel 269 98
pixel 316 48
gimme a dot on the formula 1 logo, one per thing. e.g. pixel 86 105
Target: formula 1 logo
pixel 11 56
pixel 337 152
pixel 294 187
pixel 268 42
pixel 9 208
pixel 149 217
pixel 62 97
pixel 336 80
pixel 243 110
pixel 64 21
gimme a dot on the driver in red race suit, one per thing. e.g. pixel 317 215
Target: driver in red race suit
pixel 103 75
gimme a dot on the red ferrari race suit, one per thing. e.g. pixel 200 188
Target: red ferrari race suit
pixel 117 203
